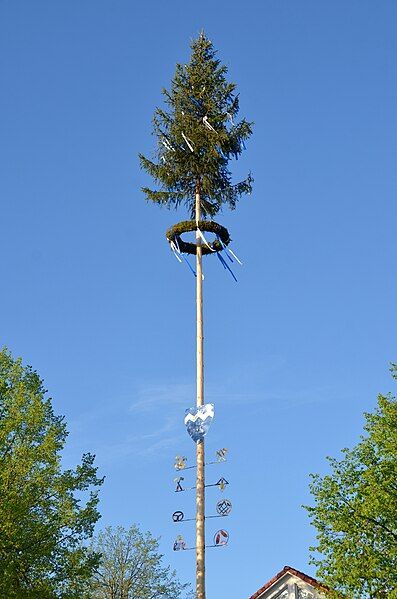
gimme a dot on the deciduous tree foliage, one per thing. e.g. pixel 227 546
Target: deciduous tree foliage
pixel 355 511
pixel 131 567
pixel 197 134
pixel 45 512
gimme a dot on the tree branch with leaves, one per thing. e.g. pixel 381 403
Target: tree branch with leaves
pixel 131 567
pixel 355 511
pixel 46 513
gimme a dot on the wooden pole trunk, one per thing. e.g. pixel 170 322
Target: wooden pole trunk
pixel 200 479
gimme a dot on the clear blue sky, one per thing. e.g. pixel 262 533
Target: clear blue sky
pixel 94 300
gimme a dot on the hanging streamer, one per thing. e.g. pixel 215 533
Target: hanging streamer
pixel 189 265
pixel 227 255
pixel 205 241
pixel 197 102
pixel 234 256
pixel 189 143
pixel 222 154
pixel 225 265
pixel 207 124
pixel 226 249
pixel 175 251
pixel 167 144
pixel 177 246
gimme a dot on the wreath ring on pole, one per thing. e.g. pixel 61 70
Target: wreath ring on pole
pixel 174 236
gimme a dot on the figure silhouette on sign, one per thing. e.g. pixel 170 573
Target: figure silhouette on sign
pixel 179 544
pixel 179 487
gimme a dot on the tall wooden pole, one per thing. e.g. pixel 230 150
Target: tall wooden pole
pixel 200 479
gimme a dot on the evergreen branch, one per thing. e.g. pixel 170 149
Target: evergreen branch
pixel 194 140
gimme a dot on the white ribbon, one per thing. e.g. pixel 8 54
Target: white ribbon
pixel 167 144
pixel 205 241
pixel 175 251
pixel 178 249
pixel 207 124
pixel 230 117
pixel 234 256
pixel 188 142
pixel 230 252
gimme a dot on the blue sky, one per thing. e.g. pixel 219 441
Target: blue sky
pixel 95 301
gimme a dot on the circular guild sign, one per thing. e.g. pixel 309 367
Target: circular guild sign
pixel 178 516
pixel 224 507
pixel 221 538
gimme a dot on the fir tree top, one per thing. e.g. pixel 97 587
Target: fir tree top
pixel 197 135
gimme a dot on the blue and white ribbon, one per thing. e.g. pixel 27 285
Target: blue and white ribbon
pixel 179 256
pixel 227 249
pixel 234 256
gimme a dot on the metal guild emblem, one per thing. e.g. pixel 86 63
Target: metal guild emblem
pixel 222 482
pixel 180 462
pixel 221 454
pixel 224 507
pixel 178 516
pixel 198 420
pixel 221 538
pixel 180 544
pixel 178 481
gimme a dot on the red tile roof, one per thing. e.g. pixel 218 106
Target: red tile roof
pixel 294 572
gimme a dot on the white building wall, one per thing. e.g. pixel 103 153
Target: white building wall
pixel 291 587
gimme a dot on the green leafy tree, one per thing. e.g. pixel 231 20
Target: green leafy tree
pixel 131 567
pixel 45 512
pixel 197 136
pixel 355 511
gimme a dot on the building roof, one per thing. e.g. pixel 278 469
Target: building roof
pixel 288 570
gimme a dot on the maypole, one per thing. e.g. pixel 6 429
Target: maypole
pixel 200 453
pixel 197 137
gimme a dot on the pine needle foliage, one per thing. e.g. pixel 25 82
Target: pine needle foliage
pixel 197 135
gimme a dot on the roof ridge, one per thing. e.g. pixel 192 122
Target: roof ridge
pixel 288 569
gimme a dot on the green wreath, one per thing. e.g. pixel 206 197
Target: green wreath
pixel 174 235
